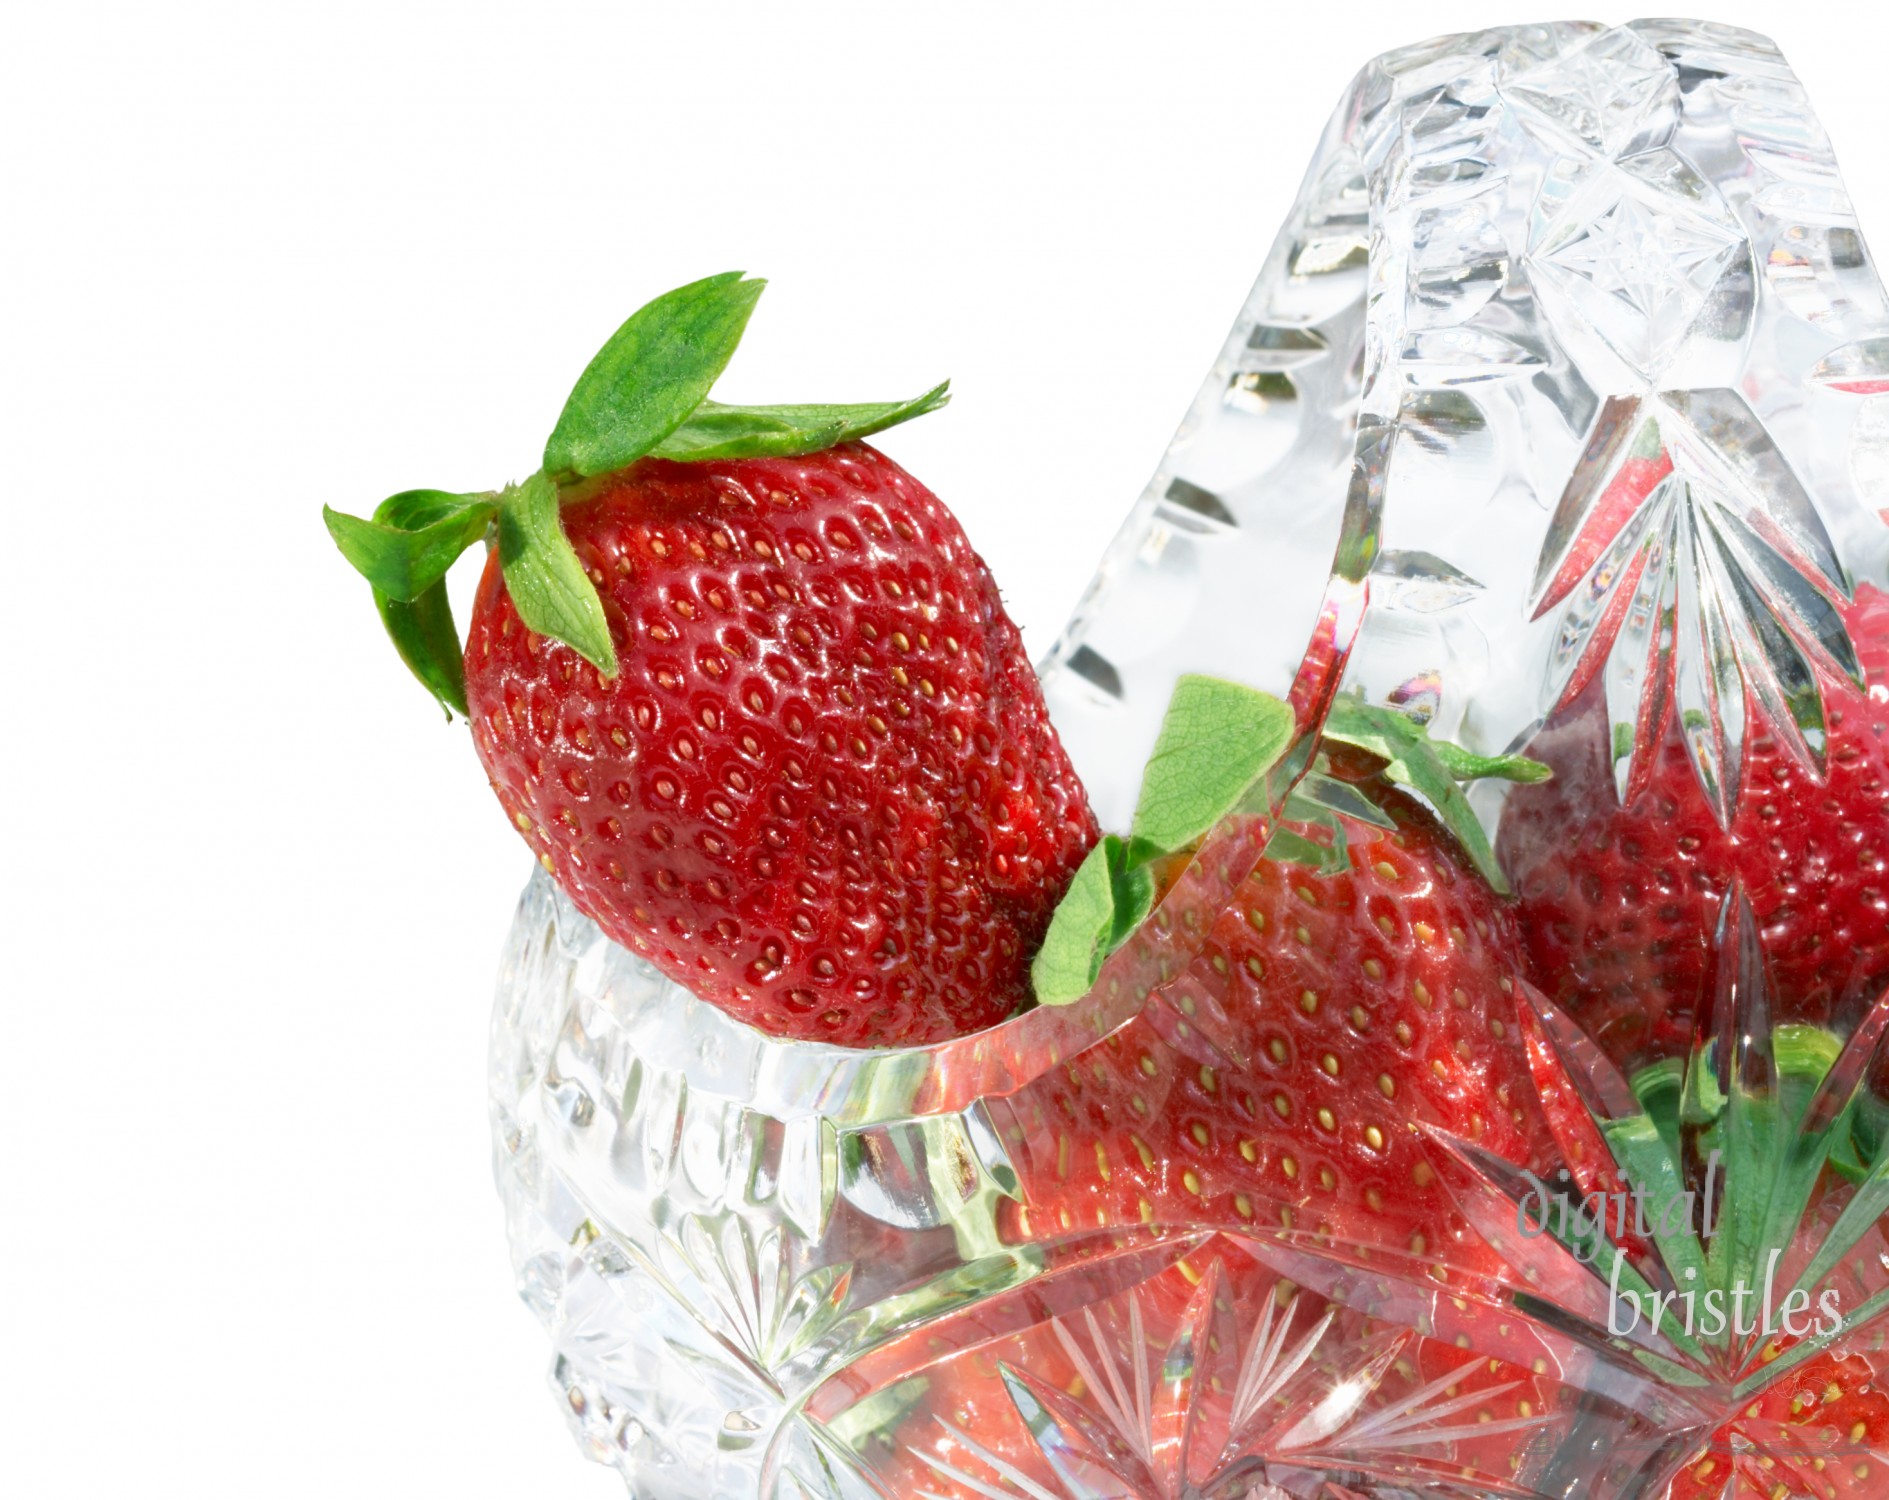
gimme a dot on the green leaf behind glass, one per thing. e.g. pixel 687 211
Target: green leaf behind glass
pixel 1104 903
pixel 1466 765
pixel 1431 768
pixel 1217 742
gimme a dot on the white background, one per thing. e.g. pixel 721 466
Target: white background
pixel 256 258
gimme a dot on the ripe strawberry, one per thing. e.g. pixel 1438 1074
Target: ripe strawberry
pixel 1618 904
pixel 1277 1083
pixel 822 791
pixel 1821 1432
pixel 747 692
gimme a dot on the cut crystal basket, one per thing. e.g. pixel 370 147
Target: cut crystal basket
pixel 1558 420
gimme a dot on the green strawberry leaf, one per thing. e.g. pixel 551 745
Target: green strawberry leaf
pixel 1862 1135
pixel 1658 1087
pixel 654 371
pixel 1762 1165
pixel 1289 847
pixel 1466 765
pixel 423 633
pixel 1647 443
pixel 1641 1156
pixel 1217 742
pixel 1862 1213
pixel 645 391
pixel 405 553
pixel 1805 1054
pixel 546 581
pixel 1322 790
pixel 1414 760
pixel 717 431
pixel 1333 857
pixel 1104 903
pixel 1134 899
pixel 414 538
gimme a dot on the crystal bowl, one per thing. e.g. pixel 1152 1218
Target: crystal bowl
pixel 1559 414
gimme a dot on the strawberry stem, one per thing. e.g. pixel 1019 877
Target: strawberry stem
pixel 645 393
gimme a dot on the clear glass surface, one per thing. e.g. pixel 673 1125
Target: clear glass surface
pixel 1566 380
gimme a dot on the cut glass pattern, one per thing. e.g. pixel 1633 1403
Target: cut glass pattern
pixel 1565 379
pixel 1697 574
pixel 1636 262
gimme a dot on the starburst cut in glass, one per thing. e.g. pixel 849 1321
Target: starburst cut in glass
pixel 1636 262
pixel 1691 569
pixel 1249 1384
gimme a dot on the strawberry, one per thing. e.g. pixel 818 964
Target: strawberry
pixel 1618 903
pixel 1819 1432
pixel 745 689
pixel 1363 979
pixel 1278 1081
pixel 823 791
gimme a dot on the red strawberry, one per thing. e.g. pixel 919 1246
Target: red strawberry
pixel 823 791
pixel 1868 623
pixel 1821 1432
pixel 748 693
pixel 1277 1083
pixel 1618 904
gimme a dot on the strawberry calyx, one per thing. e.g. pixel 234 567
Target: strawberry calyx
pixel 1218 748
pixel 1803 1055
pixel 645 394
pixel 1227 750
pixel 1730 1181
pixel 1432 768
